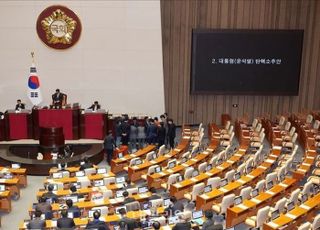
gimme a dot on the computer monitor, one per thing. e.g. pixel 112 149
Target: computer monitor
pixel 98 183
pixel 207 189
pixel 269 184
pixel 78 185
pixel 15 166
pixel 154 156
pixel 119 194
pixel 223 182
pixel 57 175
pixel 120 155
pixel 101 170
pixel 143 189
pixel 254 192
pixel 119 208
pixel 73 198
pixel 171 165
pixel 138 162
pixel 275 214
pixel 237 200
pixel 219 161
pixel 120 180
pixel 179 178
pixel 304 198
pixel 173 220
pixel 90 214
pixel 55 187
pixel 209 167
pixel 282 177
pixel 80 174
pixel 237 176
pixel 145 206
pixel 197 214
pixel 184 160
pixel 157 169
pixel 316 189
pixel 195 173
pixel 249 169
pixel 2 187
pixel 166 202
pixel 290 206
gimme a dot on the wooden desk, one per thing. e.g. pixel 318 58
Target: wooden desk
pixel 294 217
pixel 5 201
pixel 118 164
pixel 237 214
pixel 12 185
pixel 67 180
pixel 306 165
pixel 179 189
pixel 20 173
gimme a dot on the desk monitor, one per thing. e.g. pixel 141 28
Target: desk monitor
pixel 78 185
pixel 15 166
pixel 269 184
pixel 195 173
pixel 197 214
pixel 154 156
pixel 304 198
pixel 237 200
pixel 173 220
pixel 275 214
pixel 219 162
pixel 55 187
pixel 98 183
pixel 209 167
pixel 80 174
pixel 73 198
pixel 101 170
pixel 145 206
pixel 171 165
pixel 179 178
pixel 166 202
pixel 184 160
pixel 316 189
pixel 207 189
pixel 119 208
pixel 237 176
pixel 119 194
pixel 157 169
pixel 249 169
pixel 290 206
pixel 138 162
pixel 2 187
pixel 223 182
pixel 120 155
pixel 282 177
pixel 254 192
pixel 143 189
pixel 57 175
pixel 120 180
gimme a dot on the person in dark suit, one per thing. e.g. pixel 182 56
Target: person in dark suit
pixel 57 99
pixel 72 208
pixel 74 192
pixel 125 132
pixel 161 134
pixel 175 207
pixel 95 106
pixel 209 223
pixel 109 145
pixel 156 225
pixel 96 223
pixel 20 105
pixel 86 164
pixel 171 132
pixel 65 222
pixel 152 132
pixel 37 223
pixel 50 194
pixel 130 223
pixel 154 195
pixel 127 199
pixel 184 223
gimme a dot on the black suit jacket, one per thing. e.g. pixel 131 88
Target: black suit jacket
pixel 86 166
pixel 57 97
pixel 128 200
pixel 182 226
pixel 20 106
pixel 97 224
pixel 65 222
pixel 93 107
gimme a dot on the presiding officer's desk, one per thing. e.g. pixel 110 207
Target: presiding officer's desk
pixel 296 216
pixel 117 165
pixel 93 124
pixel 179 189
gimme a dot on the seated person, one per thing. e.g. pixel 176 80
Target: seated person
pixel 73 190
pixel 44 207
pixel 73 208
pixel 131 223
pixel 62 167
pixel 95 106
pixel 86 164
pixel 154 195
pixel 209 223
pixel 58 99
pixel 96 223
pixel 36 222
pixel 20 105
pixel 122 225
pixel 65 222
pixel 127 199
pixel 156 225
pixel 50 194
pixel 175 207
pixel 184 223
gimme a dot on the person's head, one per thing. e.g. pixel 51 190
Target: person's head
pixel 37 213
pixel 57 90
pixel 19 101
pixel 156 225
pixel 208 214
pixel 73 188
pixel 69 203
pixel 42 200
pixel 153 190
pixel 96 215
pixel 166 115
pixel 125 194
pixel 173 199
pixel 64 213
pixel 151 120
pixel 162 117
pixel 109 132
pixel 161 124
pixel 170 121
pixel 122 211
pixel 96 102
pixel 86 160
pixel 50 187
pixel 183 218
pixel 155 118
pixel 63 165
pixel 122 224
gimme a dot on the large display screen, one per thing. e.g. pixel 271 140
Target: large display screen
pixel 261 62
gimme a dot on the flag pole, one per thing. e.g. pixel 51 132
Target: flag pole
pixel 32 56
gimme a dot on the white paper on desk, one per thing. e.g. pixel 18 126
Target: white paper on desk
pixel 147 212
pixel 277 147
pixel 283 185
pixel 290 216
pixel 53 223
pixel 185 165
pixel 162 173
pixel 153 162
pixel 166 227
pixel 194 160
pixel 238 155
pixel 305 207
pixel 193 179
pixel 220 167
pixel 255 200
pixel 272 155
pixel 113 201
pixel 99 202
pixel 176 149
pixel 306 164
pixel 302 170
pixel 230 162
pixel 242 206
pixel 2 180
pixel 262 167
pixel 250 176
pixel 241 181
pixel 204 196
pixel 223 190
pixel 273 225
pixel 242 150
pixel 50 181
pixel 170 170
pixel 209 149
pixel 270 192
pixel 82 178
pixel 178 185
pixel 270 161
pixel 101 218
pixel 167 156
pixel 309 157
pixel 144 195
pixel 209 174
pixel 134 155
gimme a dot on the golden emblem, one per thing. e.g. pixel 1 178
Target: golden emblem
pixel 59 27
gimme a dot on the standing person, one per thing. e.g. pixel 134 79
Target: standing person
pixel 171 132
pixel 133 134
pixel 109 145
pixel 156 121
pixel 118 132
pixel 141 136
pixel 152 132
pixel 161 134
pixel 125 132
pixel 163 119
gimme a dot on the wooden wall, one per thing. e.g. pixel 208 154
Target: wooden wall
pixel 180 16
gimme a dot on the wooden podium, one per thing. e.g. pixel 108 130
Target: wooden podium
pixel 51 140
pixel 18 124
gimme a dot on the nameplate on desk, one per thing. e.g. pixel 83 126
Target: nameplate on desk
pixel 210 149
pixel 241 181
pixel 170 171
pixel 309 157
pixel 272 155
pixel 302 170
pixel 162 173
pixel 99 202
pixel 133 155
pixel 312 150
pixel 176 149
pixel 250 176
pixel 223 190
pixel 144 195
pixel 185 165
pixel 242 150
pixel 262 167
pixel 270 161
pixel 204 196
pixel 230 161
pixel 238 155
pixel 277 147
pixel 206 152
pixel 193 179
pixel 178 185
pixel 305 207
pixel 135 167
pixel 283 185
pixel 273 225
pixel 306 164
pixel 270 192
pixel 291 216
pixel 194 160
pixel 242 206
pixel 153 162
pixel 167 156
pixel 220 167
pixel 255 200
pixel 185 137
pixel 209 174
